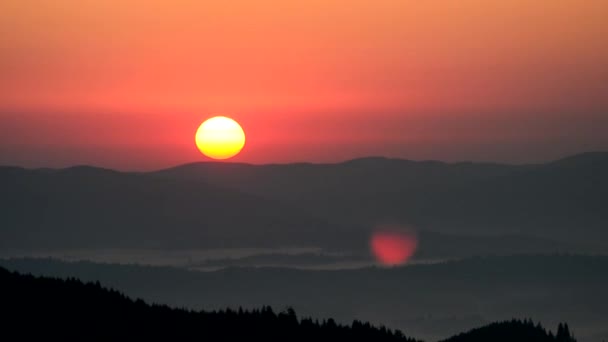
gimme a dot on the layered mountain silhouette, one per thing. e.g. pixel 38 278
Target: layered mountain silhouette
pixel 70 310
pixel 89 207
pixel 554 198
pixel 320 205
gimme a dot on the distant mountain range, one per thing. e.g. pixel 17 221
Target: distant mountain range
pixel 321 205
pixel 555 198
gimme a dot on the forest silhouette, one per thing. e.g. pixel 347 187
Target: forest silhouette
pixel 69 309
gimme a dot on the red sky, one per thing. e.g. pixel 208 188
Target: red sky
pixel 125 84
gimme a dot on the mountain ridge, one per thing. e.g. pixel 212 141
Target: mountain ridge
pixel 365 159
pixel 304 205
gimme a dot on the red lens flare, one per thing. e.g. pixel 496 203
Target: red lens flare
pixel 393 247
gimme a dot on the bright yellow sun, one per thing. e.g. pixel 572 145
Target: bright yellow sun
pixel 220 138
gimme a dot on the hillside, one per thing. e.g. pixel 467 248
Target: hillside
pixel 70 310
pixel 514 330
pixel 84 207
pixel 427 301
pixel 550 199
pixel 50 309
pixel 336 206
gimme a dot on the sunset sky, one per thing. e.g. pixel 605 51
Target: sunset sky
pixel 125 84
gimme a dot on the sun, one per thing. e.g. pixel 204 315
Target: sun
pixel 220 137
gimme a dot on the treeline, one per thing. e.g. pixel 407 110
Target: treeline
pixel 515 330
pixel 67 310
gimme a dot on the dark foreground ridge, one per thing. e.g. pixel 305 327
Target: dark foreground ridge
pixel 51 308
pixel 515 330
pixel 56 309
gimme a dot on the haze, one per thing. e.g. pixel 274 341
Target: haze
pixel 125 84
pixel 397 170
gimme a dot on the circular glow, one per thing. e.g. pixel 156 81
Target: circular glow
pixel 393 246
pixel 220 138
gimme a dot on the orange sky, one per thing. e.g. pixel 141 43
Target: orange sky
pixel 125 84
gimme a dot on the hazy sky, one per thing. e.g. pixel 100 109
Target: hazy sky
pixel 125 84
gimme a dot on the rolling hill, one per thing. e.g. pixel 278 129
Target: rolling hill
pixel 336 206
pixel 551 200
pixel 85 207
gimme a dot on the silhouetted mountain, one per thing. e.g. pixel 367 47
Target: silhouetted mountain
pixel 428 301
pixel 550 199
pixel 69 310
pixel 514 330
pixel 84 207
pixel 560 199
pixel 307 205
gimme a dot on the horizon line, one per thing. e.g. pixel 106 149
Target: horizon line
pixel 346 161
